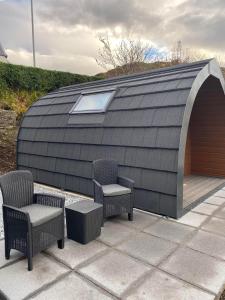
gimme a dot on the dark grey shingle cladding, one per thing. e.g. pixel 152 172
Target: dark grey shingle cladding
pixel 144 129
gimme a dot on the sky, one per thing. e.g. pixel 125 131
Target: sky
pixel 67 31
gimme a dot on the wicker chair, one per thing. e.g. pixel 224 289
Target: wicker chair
pixel 113 192
pixel 32 222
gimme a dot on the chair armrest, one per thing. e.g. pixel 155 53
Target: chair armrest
pixel 124 181
pixel 49 200
pixel 98 192
pixel 17 222
pixel 11 212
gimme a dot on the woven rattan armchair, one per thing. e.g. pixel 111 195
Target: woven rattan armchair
pixel 115 193
pixel 32 222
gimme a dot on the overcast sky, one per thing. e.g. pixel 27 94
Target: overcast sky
pixel 67 30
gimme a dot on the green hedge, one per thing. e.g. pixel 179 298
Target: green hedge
pixel 32 79
pixel 20 86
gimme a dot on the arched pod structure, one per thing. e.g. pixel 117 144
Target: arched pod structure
pixel 142 121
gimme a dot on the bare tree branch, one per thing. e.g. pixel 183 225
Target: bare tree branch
pixel 132 56
pixel 124 57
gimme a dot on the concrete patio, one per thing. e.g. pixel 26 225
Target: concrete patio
pixel 150 258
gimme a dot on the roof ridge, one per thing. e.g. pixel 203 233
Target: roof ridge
pixel 136 75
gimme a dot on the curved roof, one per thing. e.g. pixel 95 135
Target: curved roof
pixel 144 129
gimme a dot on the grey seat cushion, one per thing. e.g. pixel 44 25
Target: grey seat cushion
pixel 115 190
pixel 40 214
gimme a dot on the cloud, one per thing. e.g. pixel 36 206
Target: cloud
pixel 66 31
pixel 198 23
pixel 93 13
pixel 57 47
pixel 82 64
pixel 201 24
pixel 15 27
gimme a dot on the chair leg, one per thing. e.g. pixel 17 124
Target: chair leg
pixel 103 222
pixel 29 253
pixel 30 263
pixel 130 216
pixel 7 252
pixel 60 243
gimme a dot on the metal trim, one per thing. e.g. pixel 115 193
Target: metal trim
pixel 211 69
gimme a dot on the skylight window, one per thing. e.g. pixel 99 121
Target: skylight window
pixel 90 103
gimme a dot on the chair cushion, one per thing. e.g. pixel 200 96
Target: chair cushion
pixel 115 190
pixel 40 214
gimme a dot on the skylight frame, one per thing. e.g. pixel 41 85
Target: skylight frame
pixel 91 111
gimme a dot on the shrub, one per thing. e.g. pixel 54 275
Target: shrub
pixel 20 86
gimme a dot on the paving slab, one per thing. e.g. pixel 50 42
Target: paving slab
pixel 220 193
pixel 114 233
pixel 147 248
pixel 172 231
pixel 127 271
pixel 74 253
pixel 16 282
pixel 197 268
pixel 205 208
pixel 115 271
pixel 215 200
pixel 192 219
pixel 72 287
pixel 209 243
pixel 220 213
pixel 215 225
pixel 140 221
pixel 14 255
pixel 161 286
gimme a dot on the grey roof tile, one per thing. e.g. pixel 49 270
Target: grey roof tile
pixel 159 181
pixel 84 120
pixel 70 151
pixel 60 108
pixel 170 116
pixel 132 118
pixel 72 183
pixel 147 200
pixel 168 137
pixel 130 102
pixel 157 159
pixel 38 110
pixel 27 134
pixel 34 121
pixel 83 135
pixel 167 205
pixel 93 152
pixel 74 167
pixel 55 121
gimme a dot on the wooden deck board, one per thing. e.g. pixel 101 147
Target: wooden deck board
pixel 196 187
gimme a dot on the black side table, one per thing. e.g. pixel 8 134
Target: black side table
pixel 84 220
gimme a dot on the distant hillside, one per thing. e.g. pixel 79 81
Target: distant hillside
pixel 135 68
pixel 139 67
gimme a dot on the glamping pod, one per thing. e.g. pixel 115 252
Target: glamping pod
pixel 166 128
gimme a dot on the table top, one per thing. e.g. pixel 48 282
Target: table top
pixel 84 206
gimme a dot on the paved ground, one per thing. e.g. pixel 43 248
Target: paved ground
pixel 150 258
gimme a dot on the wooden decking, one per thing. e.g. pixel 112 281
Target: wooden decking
pixel 196 187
